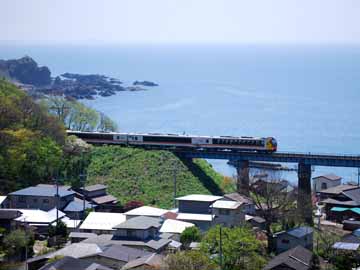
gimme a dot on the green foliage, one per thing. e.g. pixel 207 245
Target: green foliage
pixel 147 176
pixel 30 140
pixel 76 116
pixel 189 260
pixel 55 258
pixel 314 263
pixel 15 242
pixel 345 260
pixel 59 229
pixel 190 234
pixel 323 242
pixel 240 248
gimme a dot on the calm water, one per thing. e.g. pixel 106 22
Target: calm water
pixel 306 97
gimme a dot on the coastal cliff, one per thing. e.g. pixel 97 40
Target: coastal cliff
pixel 37 80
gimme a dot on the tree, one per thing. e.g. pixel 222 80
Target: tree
pixel 190 234
pixel 15 242
pixel 240 248
pixel 275 204
pixel 314 262
pixel 59 229
pixel 189 260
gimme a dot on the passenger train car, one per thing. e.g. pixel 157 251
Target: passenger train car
pixel 156 140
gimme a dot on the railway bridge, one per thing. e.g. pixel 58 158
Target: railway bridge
pixel 241 161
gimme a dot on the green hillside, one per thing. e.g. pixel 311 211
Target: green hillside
pixel 147 176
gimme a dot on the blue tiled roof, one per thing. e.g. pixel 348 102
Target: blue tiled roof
pixel 77 206
pixel 48 191
pixel 300 232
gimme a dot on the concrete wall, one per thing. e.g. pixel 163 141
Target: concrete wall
pixel 285 242
pixel 38 202
pixel 194 207
pixel 318 183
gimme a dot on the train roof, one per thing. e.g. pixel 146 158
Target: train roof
pixel 170 135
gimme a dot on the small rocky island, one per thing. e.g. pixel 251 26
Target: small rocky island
pixel 26 73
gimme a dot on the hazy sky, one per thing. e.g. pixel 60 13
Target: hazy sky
pixel 180 21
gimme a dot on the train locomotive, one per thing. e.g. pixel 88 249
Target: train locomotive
pixel 157 140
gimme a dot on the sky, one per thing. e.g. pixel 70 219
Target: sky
pixel 180 21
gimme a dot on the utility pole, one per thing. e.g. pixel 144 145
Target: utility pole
pixel 220 250
pixel 83 180
pixel 57 200
pixel 174 175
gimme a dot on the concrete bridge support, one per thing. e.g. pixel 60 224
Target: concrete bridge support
pixel 304 203
pixel 243 180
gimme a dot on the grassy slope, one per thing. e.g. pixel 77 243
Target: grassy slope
pixel 135 174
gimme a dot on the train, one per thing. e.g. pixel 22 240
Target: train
pixel 158 140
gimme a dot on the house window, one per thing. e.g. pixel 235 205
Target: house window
pixel 45 201
pixel 21 199
pixel 285 241
pixel 323 186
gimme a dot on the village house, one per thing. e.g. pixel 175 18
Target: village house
pixel 97 194
pixel 228 213
pixel 70 263
pixel 8 219
pixel 153 261
pixel 101 222
pixel 116 256
pixel 41 197
pixel 339 201
pixel 76 209
pixel 148 211
pixel 247 204
pixel 326 181
pixel 300 236
pixel 175 227
pixel 202 221
pixel 296 258
pixel 196 203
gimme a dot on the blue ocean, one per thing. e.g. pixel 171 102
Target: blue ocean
pixel 307 97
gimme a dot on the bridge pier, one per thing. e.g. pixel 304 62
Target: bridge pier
pixel 304 203
pixel 243 180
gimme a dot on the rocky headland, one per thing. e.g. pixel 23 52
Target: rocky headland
pixel 37 80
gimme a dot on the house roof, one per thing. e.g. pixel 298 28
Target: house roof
pixel 174 226
pixel 102 221
pixel 43 191
pixel 94 187
pixel 353 194
pixel 153 260
pixel 346 246
pixel 197 217
pixel 9 214
pixel 300 232
pixel 238 198
pixel 226 204
pixel 78 250
pixel 70 263
pixel 350 238
pixel 199 198
pixel 338 189
pixel 77 205
pixel 139 223
pixel 38 216
pixel 330 176
pixel 122 253
pixel 343 203
pixel 71 223
pixel 81 235
pixel 109 239
pixel 104 199
pixel 2 199
pixel 147 211
pixel 297 258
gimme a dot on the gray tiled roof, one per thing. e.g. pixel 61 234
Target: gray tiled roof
pixel 337 189
pixel 9 214
pixel 153 260
pixel 353 194
pixel 300 232
pixel 140 223
pixel 95 187
pixel 104 199
pixel 77 205
pixel 109 239
pixel 330 176
pixel 122 253
pixel 297 258
pixel 235 196
pixel 70 263
pixel 47 191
